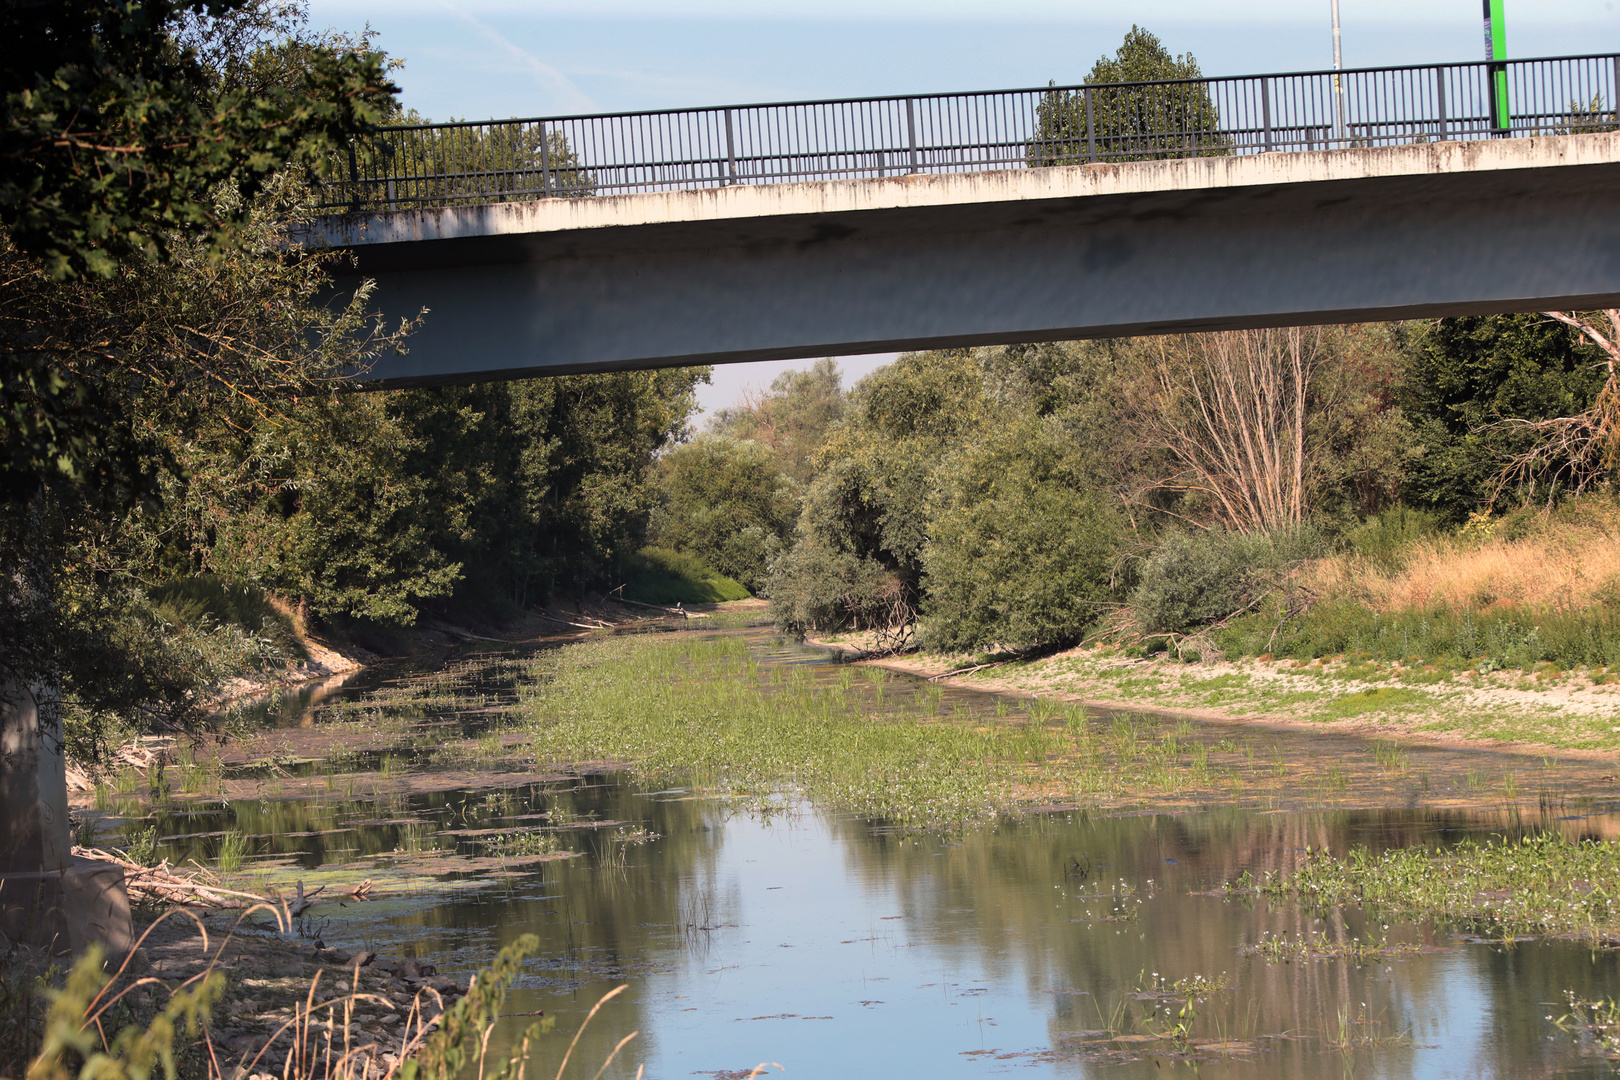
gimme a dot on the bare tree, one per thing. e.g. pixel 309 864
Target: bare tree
pixel 1230 408
pixel 1573 453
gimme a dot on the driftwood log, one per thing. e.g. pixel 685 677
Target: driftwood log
pixel 160 884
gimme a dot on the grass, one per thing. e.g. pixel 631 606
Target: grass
pixel 706 711
pixel 661 576
pixel 1538 884
pixel 233 851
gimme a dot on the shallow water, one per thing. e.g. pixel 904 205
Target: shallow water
pixel 1044 946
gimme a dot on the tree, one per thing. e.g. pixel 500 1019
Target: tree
pixel 727 501
pixel 1474 391
pixel 1130 121
pixel 1022 545
pixel 792 418
pixel 1575 452
pixel 122 146
pixel 116 132
pixel 1231 409
pixel 866 513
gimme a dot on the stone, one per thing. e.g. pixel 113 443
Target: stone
pixel 364 959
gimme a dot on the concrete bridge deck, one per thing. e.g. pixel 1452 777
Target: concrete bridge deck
pixel 758 272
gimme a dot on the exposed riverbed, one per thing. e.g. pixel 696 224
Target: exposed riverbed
pixel 1088 932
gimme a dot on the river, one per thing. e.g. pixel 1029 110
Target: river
pixel 1064 942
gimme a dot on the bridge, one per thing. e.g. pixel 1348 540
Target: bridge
pixel 598 243
pixel 601 243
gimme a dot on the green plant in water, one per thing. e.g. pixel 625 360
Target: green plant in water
pixel 1390 755
pixel 511 845
pixel 143 846
pixel 233 851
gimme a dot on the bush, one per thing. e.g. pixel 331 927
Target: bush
pixel 815 587
pixel 1021 548
pixel 661 576
pixel 1196 578
pixel 727 501
pixel 1383 539
pixel 197 601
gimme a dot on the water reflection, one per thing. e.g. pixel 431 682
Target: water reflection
pixel 835 945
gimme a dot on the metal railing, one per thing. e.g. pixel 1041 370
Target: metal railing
pixel 505 160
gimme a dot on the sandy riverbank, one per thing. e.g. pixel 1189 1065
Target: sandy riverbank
pixel 1570 715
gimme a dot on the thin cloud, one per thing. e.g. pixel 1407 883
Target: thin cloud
pixel 569 96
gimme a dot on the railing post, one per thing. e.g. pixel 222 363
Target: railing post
pixel 731 151
pixel 545 160
pixel 1091 128
pixel 1265 108
pixel 1440 101
pixel 354 180
pixel 1614 96
pixel 911 130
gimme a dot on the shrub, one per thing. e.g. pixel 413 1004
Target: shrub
pixel 1022 546
pixel 1194 579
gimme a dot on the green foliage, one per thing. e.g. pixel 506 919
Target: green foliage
pixel 857 554
pixel 203 599
pixel 727 501
pixel 1486 640
pixel 1130 123
pixel 122 147
pixel 1468 373
pixel 1193 579
pixel 116 132
pixel 792 418
pixel 1384 538
pixel 460 1042
pixel 1536 884
pixel 661 576
pixel 1022 545
pixel 74 1049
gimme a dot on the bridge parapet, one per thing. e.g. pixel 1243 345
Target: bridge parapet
pixel 484 162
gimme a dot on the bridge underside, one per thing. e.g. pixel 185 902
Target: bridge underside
pixel 806 270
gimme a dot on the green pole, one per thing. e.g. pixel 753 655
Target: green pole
pixel 1496 57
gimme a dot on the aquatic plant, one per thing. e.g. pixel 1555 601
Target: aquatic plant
pixel 233 851
pixel 1542 883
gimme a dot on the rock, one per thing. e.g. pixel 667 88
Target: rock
pixel 390 1020
pixel 364 959
pixel 337 956
pixel 409 969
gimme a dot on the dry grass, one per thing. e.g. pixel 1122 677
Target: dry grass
pixel 1562 570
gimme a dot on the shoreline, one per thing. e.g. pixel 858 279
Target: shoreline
pixel 1424 725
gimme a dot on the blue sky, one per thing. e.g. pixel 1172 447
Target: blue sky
pixel 475 59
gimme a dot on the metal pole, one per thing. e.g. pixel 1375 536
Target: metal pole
pixel 1338 80
pixel 1440 101
pixel 911 130
pixel 545 160
pixel 1496 58
pixel 1091 128
pixel 731 149
pixel 1265 106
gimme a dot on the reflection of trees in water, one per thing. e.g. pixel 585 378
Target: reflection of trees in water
pixel 993 899
pixel 602 917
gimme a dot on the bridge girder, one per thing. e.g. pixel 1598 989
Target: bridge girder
pixel 725 275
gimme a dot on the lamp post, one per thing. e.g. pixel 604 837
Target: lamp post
pixel 1496 59
pixel 1338 80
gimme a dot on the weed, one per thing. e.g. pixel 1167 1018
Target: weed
pixel 233 851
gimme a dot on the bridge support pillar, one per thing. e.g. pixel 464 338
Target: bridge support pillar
pixel 49 899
